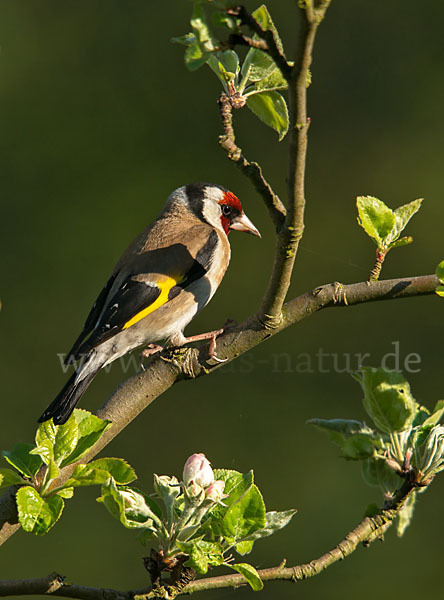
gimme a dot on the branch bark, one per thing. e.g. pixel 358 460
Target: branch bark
pixel 291 233
pixel 137 392
pixel 370 529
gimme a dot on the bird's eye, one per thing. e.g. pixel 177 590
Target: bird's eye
pixel 226 210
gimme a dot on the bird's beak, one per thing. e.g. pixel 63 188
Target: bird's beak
pixel 243 223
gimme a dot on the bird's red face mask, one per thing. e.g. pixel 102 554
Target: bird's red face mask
pixel 233 217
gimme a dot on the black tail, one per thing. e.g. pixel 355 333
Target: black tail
pixel 61 408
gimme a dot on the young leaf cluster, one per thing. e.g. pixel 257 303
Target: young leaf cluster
pixel 384 225
pixel 36 467
pixel 257 82
pixel 406 440
pixel 194 521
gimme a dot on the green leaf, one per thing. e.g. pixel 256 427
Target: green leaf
pixel 387 399
pixel 377 219
pixel 274 81
pixel 355 439
pixel 46 452
pixel 436 415
pixel 376 472
pixel 259 65
pixel 244 547
pixel 65 492
pixel 403 214
pixel 440 271
pixel 202 554
pixel 118 468
pixel 9 477
pixel 404 241
pixel 244 517
pixel 90 429
pixel 271 108
pixel 45 431
pixel 274 521
pixel 440 290
pixel 58 440
pixel 405 515
pixel 201 30
pixel 87 475
pixel 21 459
pixel 236 485
pixel 250 574
pixel 264 19
pixel 184 40
pixel 127 506
pixel 36 514
pixel 225 65
pixel 194 56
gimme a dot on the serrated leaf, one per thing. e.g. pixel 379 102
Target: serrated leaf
pixel 264 19
pixel 271 108
pixel 118 468
pixel 90 430
pixel 274 81
pixel 250 574
pixel 9 477
pixel 84 475
pixel 387 399
pixel 376 218
pixel 244 517
pixel 405 515
pixel 46 432
pixel 259 65
pixel 236 484
pixel 46 452
pixel 403 214
pixel 21 459
pixel 202 554
pixel 66 440
pixel 36 514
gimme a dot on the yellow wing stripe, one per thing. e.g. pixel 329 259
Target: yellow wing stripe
pixel 165 287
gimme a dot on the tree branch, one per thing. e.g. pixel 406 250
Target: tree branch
pixel 137 392
pixel 251 170
pixel 291 233
pixel 367 531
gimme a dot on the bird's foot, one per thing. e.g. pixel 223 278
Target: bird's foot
pixel 149 351
pixel 210 335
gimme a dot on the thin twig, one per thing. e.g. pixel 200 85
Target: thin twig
pixel 293 229
pixel 251 170
pixel 370 529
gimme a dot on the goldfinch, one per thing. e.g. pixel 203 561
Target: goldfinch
pixel 164 278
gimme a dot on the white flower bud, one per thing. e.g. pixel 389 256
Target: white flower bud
pixel 197 469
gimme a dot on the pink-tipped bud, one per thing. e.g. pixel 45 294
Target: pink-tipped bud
pixel 198 470
pixel 215 491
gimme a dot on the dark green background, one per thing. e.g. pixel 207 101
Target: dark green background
pixel 100 121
